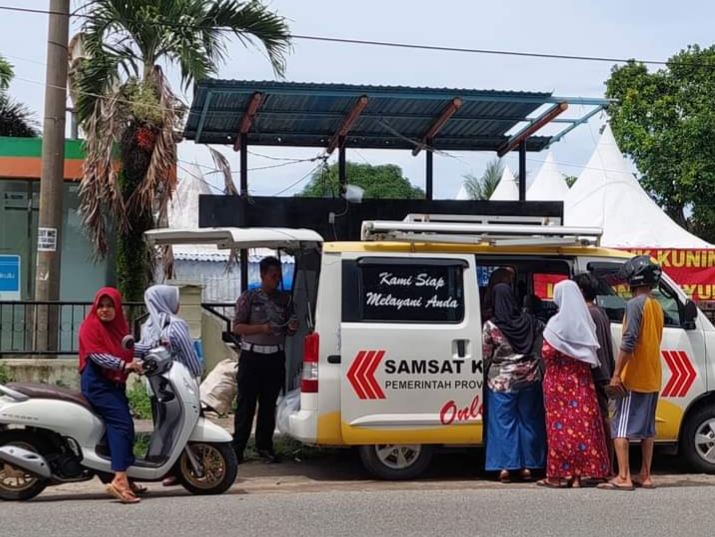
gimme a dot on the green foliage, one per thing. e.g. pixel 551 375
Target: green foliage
pixel 570 180
pixel 379 182
pixel 141 445
pixel 664 120
pixel 5 375
pixel 15 118
pixel 6 73
pixel 482 188
pixel 143 102
pixel 139 401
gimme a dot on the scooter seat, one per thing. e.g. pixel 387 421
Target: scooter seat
pixel 45 391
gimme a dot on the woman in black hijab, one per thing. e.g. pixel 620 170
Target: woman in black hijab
pixel 515 409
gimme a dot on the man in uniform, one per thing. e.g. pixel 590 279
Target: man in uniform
pixel 264 317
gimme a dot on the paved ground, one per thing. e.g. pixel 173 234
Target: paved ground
pixel 330 495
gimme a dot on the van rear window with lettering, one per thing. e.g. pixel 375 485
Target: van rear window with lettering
pixel 403 290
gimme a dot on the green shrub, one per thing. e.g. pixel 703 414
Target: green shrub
pixel 5 375
pixel 139 402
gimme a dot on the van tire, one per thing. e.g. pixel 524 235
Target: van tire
pixel 700 422
pixel 393 462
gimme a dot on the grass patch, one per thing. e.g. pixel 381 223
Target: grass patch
pixel 141 445
pixel 290 449
pixel 5 375
pixel 139 402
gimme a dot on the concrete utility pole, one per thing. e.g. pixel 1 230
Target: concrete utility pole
pixel 47 277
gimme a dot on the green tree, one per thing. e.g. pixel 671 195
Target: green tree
pixel 379 182
pixel 482 188
pixel 123 100
pixel 570 180
pixel 15 118
pixel 664 121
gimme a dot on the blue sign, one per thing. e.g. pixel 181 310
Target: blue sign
pixel 9 277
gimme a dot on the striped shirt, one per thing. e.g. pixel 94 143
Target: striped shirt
pixel 180 344
pixel 108 361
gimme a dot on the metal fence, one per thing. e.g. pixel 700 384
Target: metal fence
pixel 34 328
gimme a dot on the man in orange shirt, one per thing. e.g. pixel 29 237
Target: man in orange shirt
pixel 637 377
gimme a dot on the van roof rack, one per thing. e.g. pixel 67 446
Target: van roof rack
pixel 498 231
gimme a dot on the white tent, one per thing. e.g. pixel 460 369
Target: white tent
pixel 463 195
pixel 549 184
pixel 508 187
pixel 607 195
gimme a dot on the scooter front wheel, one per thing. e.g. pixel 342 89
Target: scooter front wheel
pixel 218 465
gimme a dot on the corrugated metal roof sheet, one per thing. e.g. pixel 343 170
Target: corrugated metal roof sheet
pixel 396 117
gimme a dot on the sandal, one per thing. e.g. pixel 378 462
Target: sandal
pixel 549 485
pixel 505 477
pixel 611 485
pixel 525 475
pixel 138 490
pixel 125 496
pixel 639 485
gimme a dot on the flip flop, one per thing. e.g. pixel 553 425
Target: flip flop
pixel 139 490
pixel 613 486
pixel 639 485
pixel 547 484
pixel 124 496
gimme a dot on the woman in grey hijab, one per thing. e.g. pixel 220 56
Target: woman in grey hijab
pixel 164 326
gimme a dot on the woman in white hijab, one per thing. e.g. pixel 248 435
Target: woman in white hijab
pixel 163 326
pixel 574 428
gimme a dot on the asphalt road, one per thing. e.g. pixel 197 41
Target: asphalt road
pixel 330 495
pixel 512 512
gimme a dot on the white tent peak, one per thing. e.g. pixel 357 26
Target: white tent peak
pixel 549 184
pixel 463 195
pixel 607 195
pixel 508 187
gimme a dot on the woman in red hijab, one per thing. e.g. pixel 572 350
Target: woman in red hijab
pixel 104 366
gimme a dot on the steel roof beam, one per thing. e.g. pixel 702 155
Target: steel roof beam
pixel 533 127
pixel 347 123
pixel 247 120
pixel 447 113
pixel 575 124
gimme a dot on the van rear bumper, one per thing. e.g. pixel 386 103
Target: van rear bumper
pixel 304 426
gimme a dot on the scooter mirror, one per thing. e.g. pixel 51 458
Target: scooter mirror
pixel 128 342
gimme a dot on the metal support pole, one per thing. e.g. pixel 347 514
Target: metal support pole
pixel 522 171
pixel 429 175
pixel 342 165
pixel 49 243
pixel 244 207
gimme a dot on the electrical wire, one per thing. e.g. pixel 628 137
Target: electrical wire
pixel 396 44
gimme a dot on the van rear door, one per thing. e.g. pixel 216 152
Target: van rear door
pixel 411 349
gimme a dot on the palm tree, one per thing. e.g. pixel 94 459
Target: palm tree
pixel 15 118
pixel 123 101
pixel 483 188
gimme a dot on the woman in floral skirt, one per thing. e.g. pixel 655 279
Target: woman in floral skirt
pixel 574 427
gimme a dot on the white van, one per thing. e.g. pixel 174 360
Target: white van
pixel 390 344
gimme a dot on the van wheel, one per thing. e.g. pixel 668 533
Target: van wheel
pixel 698 441
pixel 396 462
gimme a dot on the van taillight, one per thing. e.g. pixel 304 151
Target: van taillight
pixel 311 352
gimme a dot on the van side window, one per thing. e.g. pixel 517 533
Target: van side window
pixel 614 293
pixel 400 290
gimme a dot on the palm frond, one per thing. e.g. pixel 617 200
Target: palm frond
pixel 6 73
pixel 221 162
pixel 16 119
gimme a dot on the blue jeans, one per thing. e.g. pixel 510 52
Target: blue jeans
pixel 110 402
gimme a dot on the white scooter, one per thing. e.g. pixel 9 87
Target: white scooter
pixel 51 436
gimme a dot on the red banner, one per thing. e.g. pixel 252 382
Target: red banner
pixel 693 270
pixel 544 284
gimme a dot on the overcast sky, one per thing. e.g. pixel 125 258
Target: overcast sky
pixel 647 29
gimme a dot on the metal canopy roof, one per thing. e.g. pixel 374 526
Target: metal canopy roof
pixel 372 117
